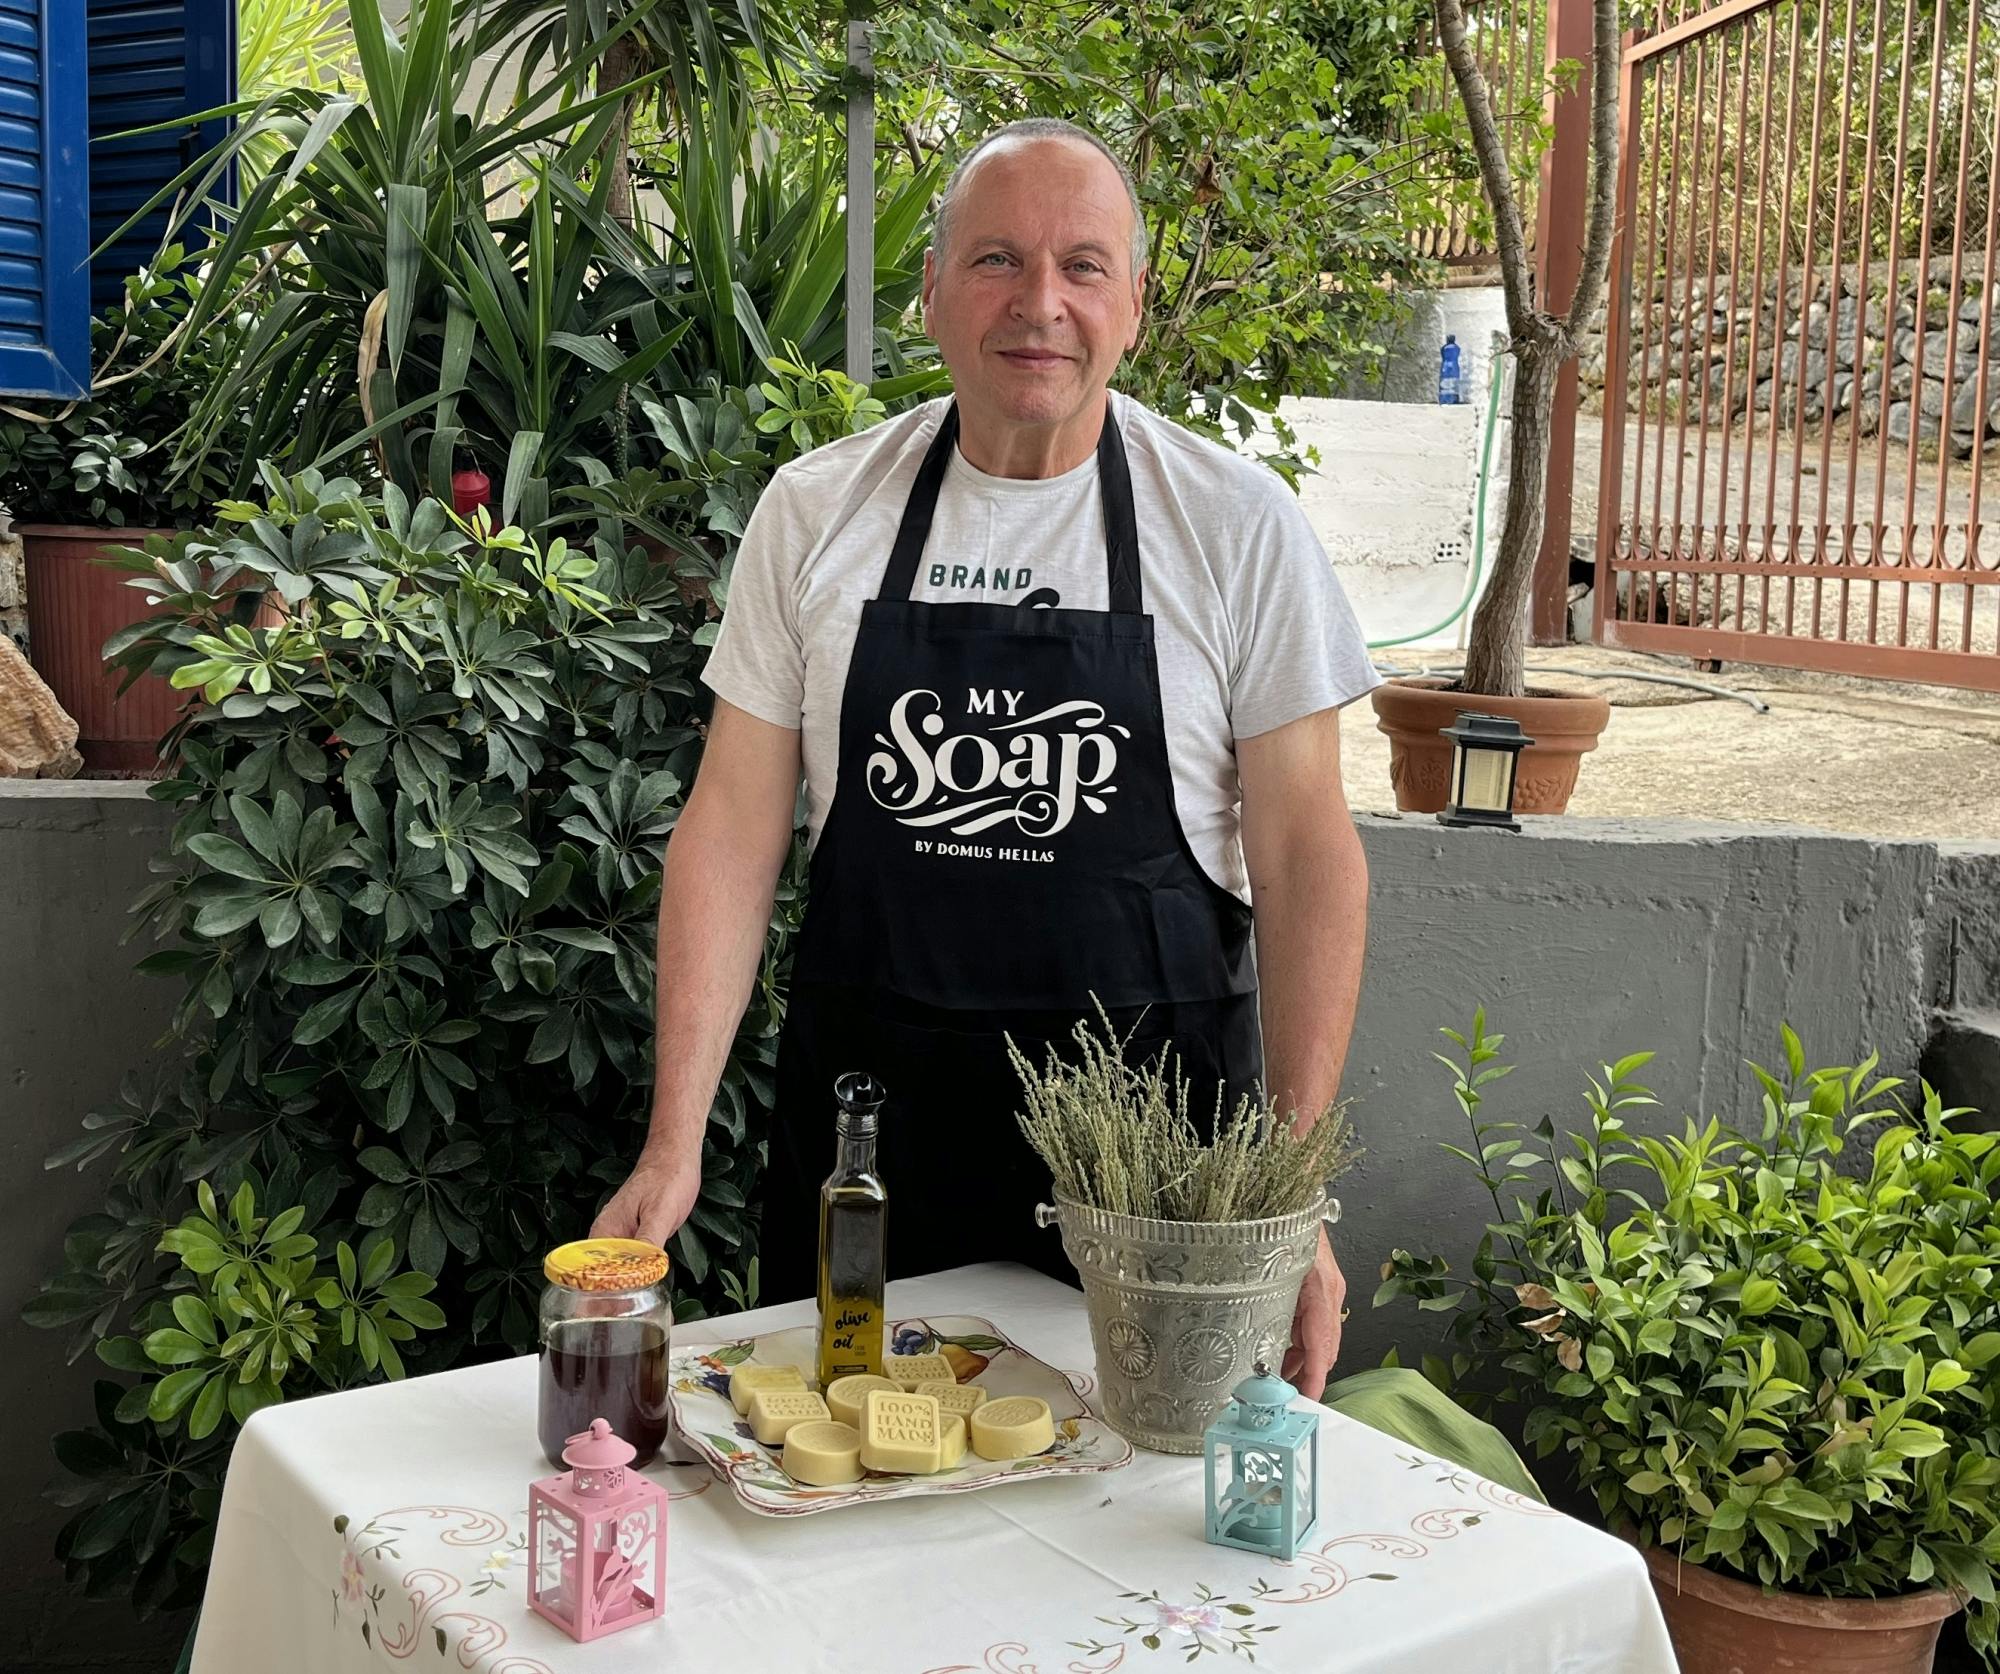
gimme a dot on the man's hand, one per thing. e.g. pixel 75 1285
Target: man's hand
pixel 1316 1324
pixel 654 1200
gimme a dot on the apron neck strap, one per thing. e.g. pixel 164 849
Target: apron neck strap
pixel 1121 527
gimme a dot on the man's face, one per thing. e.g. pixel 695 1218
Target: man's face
pixel 1035 301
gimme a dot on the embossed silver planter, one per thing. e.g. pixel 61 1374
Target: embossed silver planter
pixel 1180 1311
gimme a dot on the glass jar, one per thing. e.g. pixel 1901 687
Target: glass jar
pixel 606 1324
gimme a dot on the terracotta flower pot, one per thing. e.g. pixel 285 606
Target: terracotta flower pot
pixel 1720 1625
pixel 1415 711
pixel 74 605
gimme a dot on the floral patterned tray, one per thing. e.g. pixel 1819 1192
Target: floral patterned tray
pixel 708 1424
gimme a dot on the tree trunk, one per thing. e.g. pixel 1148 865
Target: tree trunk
pixel 1497 647
pixel 620 64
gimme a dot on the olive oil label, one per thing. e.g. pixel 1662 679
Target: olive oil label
pixel 850 1337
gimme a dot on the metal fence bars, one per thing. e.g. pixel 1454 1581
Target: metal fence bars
pixel 1803 372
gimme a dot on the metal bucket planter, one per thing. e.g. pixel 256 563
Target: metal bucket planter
pixel 1181 1311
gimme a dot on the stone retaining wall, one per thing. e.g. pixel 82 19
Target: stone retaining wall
pixel 1830 356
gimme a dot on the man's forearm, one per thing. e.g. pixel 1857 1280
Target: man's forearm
pixel 715 911
pixel 1312 926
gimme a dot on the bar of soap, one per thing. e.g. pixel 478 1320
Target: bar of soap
pixel 845 1395
pixel 959 1398
pixel 953 1452
pixel 1013 1427
pixel 906 1371
pixel 901 1433
pixel 823 1455
pixel 746 1380
pixel 774 1411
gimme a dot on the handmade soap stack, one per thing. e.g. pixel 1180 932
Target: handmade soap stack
pixel 913 1420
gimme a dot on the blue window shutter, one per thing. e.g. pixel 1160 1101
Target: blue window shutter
pixel 44 196
pixel 150 61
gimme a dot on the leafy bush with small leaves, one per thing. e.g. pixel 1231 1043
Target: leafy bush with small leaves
pixel 1779 1367
pixel 411 900
pixel 108 460
pixel 253 1314
pixel 1277 181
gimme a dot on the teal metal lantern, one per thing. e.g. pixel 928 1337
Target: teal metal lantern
pixel 1263 1469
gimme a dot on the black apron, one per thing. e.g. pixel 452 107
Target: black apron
pixel 1001 852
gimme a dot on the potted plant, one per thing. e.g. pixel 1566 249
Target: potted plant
pixel 1191 1251
pixel 1415 710
pixel 1771 1363
pixel 84 479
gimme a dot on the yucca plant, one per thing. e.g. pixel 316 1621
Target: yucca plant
pixel 391 283
pixel 413 318
pixel 754 267
pixel 287 43
pixel 682 38
pixel 771 272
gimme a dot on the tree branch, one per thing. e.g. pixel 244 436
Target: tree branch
pixel 1603 164
pixel 1516 278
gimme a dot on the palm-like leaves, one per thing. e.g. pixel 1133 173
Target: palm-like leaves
pixel 411 312
pixel 683 35
pixel 287 43
pixel 397 309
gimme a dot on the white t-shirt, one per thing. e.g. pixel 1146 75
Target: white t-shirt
pixel 1250 625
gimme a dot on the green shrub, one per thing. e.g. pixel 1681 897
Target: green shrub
pixel 1781 1367
pixel 252 1314
pixel 1276 191
pixel 411 899
pixel 108 460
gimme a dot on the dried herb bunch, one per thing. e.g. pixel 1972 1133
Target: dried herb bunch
pixel 1118 1138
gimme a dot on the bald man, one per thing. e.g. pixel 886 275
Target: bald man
pixel 1063 681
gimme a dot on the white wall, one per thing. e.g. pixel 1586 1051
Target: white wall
pixel 1393 505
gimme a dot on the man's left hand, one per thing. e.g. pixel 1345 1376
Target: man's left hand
pixel 1316 1324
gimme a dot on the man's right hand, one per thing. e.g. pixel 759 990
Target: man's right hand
pixel 654 1200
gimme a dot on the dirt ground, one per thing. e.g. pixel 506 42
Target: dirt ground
pixel 1873 757
pixel 1870 757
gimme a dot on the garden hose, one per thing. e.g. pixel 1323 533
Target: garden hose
pixel 1706 686
pixel 1493 385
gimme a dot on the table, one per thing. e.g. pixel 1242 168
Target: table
pixel 385 1527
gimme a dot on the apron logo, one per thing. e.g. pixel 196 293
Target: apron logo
pixel 1030 770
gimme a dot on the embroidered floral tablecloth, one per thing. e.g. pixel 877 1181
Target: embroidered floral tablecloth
pixel 386 1528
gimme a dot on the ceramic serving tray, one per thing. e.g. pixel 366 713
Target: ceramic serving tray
pixel 708 1424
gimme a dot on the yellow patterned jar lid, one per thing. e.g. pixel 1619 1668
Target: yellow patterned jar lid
pixel 605 1264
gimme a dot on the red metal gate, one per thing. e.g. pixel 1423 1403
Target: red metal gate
pixel 1803 315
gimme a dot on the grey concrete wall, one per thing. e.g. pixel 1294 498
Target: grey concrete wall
pixel 1589 939
pixel 1962 1062
pixel 74 1018
pixel 1964 948
pixel 1584 939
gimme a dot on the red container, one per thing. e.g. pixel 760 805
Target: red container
pixel 74 605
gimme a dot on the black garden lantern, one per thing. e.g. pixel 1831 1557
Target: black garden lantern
pixel 1485 752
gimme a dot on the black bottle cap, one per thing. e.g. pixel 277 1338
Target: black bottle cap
pixel 859 1093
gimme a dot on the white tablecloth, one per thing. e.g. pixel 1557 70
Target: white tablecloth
pixel 384 1527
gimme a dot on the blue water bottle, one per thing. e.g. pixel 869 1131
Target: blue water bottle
pixel 1450 389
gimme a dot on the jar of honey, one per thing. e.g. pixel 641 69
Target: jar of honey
pixel 606 1323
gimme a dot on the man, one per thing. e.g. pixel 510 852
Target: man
pixel 1064 680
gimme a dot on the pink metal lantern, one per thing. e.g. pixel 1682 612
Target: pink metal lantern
pixel 597 1537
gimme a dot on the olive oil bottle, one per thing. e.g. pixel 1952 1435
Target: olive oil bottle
pixel 853 1238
